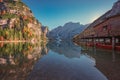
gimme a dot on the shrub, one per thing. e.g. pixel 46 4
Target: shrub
pixel 7 16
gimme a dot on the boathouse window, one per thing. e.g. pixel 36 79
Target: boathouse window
pixel 90 40
pixel 101 40
pixel 97 40
pixel 117 40
pixel 108 40
pixel 105 28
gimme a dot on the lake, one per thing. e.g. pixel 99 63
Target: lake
pixel 57 61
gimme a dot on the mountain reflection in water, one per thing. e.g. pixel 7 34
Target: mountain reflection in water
pixel 64 61
pixel 57 61
pixel 66 48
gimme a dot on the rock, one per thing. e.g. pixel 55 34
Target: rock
pixel 19 18
pixel 45 31
pixel 66 32
pixel 115 9
pixel 3 22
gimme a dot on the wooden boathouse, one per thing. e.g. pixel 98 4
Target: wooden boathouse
pixel 105 31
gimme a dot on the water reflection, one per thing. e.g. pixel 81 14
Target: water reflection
pixel 71 65
pixel 18 59
pixel 57 61
pixel 108 62
pixel 66 48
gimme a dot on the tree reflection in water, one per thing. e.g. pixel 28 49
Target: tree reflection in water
pixel 64 61
pixel 18 59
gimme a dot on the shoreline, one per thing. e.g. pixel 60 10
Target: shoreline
pixel 21 41
pixel 12 41
pixel 99 45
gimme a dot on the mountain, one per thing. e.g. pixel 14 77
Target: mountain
pixel 66 32
pixel 17 22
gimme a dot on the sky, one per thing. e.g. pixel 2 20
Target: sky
pixel 54 13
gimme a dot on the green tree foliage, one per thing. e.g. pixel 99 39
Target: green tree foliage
pixel 9 16
pixel 17 16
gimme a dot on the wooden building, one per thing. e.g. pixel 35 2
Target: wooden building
pixel 105 31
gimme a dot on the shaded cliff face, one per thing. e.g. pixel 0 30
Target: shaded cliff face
pixel 17 22
pixel 66 32
pixel 45 31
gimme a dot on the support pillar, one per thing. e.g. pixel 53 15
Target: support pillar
pixel 86 41
pixel 104 40
pixel 118 41
pixel 113 56
pixel 94 40
pixel 94 48
pixel 113 43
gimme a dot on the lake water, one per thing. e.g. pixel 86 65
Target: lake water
pixel 57 61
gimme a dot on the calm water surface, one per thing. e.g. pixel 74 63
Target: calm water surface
pixel 57 61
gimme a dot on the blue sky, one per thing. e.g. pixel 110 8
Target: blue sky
pixel 53 13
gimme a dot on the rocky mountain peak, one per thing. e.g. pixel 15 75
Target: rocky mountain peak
pixel 67 31
pixel 116 5
pixel 70 24
pixel 115 9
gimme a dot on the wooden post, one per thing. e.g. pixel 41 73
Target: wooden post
pixel 94 47
pixel 94 42
pixel 119 40
pixel 113 43
pixel 113 55
pixel 104 40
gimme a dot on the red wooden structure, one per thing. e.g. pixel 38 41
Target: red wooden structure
pixel 105 31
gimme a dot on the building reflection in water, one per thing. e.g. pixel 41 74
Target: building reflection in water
pixel 65 61
pixel 108 62
pixel 57 61
pixel 17 59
